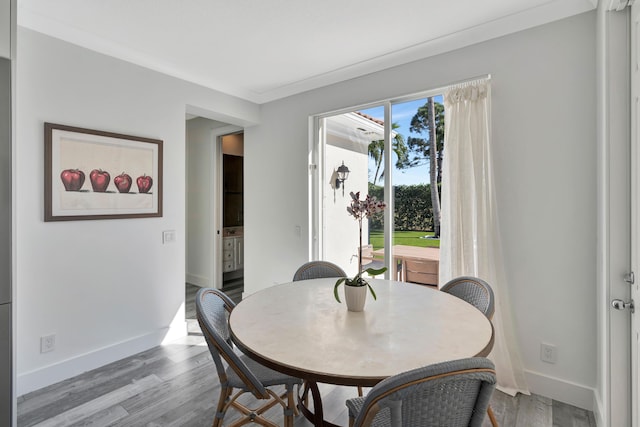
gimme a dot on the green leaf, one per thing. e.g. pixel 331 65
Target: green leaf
pixel 335 288
pixel 372 292
pixel 374 272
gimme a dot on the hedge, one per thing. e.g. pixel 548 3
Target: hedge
pixel 413 211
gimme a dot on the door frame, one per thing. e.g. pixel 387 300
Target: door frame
pixel 317 140
pixel 614 204
pixel 634 67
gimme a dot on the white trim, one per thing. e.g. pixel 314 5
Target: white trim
pixel 216 178
pixel 388 193
pixel 198 280
pixel 635 190
pixel 598 410
pixel 316 210
pixel 602 222
pixel 612 256
pixel 569 392
pixel 619 5
pixel 216 208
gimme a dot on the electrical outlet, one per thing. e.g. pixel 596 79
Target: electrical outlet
pixel 548 353
pixel 47 343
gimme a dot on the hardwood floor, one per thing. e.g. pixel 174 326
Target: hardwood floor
pixel 177 385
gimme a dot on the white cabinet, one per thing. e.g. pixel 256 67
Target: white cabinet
pixel 233 253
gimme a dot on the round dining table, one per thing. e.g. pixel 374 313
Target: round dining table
pixel 300 329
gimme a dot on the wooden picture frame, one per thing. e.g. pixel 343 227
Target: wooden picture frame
pixel 91 174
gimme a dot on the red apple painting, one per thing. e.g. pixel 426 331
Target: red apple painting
pixel 91 174
pixel 123 182
pixel 72 179
pixel 99 180
pixel 144 183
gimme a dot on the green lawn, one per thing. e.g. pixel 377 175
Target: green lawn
pixel 410 238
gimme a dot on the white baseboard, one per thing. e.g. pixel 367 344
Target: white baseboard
pixel 564 391
pixel 201 281
pixel 39 378
pixel 598 411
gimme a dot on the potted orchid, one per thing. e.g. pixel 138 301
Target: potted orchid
pixel 360 209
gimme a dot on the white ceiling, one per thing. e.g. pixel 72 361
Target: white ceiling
pixel 262 50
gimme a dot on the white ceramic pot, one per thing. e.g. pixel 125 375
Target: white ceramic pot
pixel 355 296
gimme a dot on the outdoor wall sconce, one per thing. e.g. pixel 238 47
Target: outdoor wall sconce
pixel 342 175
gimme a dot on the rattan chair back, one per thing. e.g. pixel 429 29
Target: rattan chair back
pixel 243 374
pixel 453 394
pixel 212 309
pixel 318 270
pixel 473 290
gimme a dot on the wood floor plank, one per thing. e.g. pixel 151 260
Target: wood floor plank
pixel 90 385
pixel 504 408
pixel 104 418
pixel 188 353
pixel 534 411
pixel 565 415
pixel 96 405
pixel 152 403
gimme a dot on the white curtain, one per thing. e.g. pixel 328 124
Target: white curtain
pixel 470 238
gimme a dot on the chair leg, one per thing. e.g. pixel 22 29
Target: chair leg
pixel 225 392
pixel 492 417
pixel 290 409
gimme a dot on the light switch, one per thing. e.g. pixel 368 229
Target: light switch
pixel 168 236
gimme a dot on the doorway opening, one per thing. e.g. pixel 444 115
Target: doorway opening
pixel 233 215
pixel 214 237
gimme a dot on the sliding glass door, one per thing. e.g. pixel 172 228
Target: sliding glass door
pixel 382 151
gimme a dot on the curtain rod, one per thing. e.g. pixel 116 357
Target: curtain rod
pixel 438 90
pixel 467 81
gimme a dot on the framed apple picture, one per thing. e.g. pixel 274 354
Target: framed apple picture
pixel 92 174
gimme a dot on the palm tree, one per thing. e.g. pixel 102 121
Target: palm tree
pixel 429 118
pixel 376 152
pixel 433 168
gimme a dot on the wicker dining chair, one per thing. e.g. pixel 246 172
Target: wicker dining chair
pixel 473 290
pixel 479 294
pixel 454 394
pixel 317 270
pixel 242 373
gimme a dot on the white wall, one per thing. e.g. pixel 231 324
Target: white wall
pixel 109 288
pixel 543 124
pixel 341 229
pixel 199 191
pixel 6 7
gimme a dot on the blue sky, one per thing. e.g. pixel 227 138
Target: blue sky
pixel 401 114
